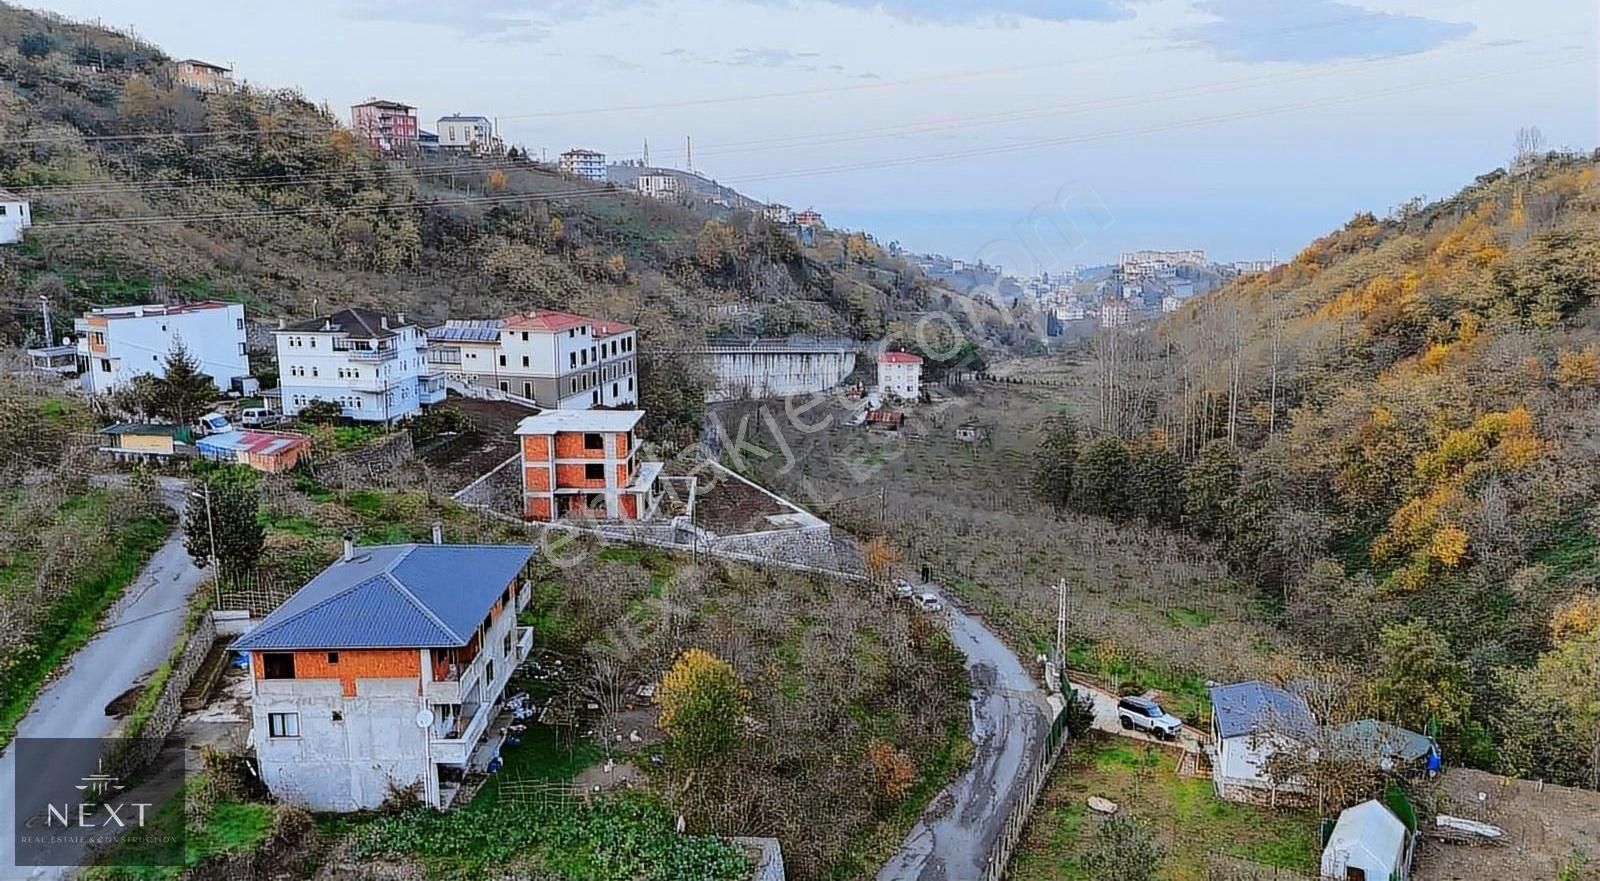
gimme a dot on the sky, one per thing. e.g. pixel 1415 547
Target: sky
pixel 1037 134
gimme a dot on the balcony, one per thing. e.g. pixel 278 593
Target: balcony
pixel 454 739
pixel 431 388
pixel 371 383
pixel 382 353
pixel 524 643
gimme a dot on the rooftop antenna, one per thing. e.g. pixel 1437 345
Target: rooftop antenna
pixel 646 152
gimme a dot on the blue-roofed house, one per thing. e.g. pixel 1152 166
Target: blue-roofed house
pixel 1251 722
pixel 383 672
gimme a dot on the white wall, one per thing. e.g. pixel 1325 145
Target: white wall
pixel 776 374
pixel 138 346
pixel 904 380
pixel 14 218
pixel 310 369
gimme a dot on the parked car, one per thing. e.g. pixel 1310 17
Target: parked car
pixel 258 417
pixel 1144 714
pixel 904 589
pixel 213 423
pixel 928 602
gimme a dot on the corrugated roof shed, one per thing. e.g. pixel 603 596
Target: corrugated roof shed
pixel 394 596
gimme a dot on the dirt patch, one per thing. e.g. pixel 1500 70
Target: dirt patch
pixel 607 776
pixel 1546 827
pixel 123 704
pixel 492 440
pixel 733 506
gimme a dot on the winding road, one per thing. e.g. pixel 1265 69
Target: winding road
pixel 137 636
pixel 1010 721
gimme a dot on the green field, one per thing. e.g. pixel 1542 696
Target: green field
pixel 1191 820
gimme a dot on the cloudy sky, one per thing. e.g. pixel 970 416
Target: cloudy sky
pixel 1038 133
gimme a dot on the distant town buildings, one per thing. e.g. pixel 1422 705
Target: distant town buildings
pixel 385 671
pixel 556 359
pixel 778 213
pixel 1116 313
pixel 203 76
pixel 587 164
pixel 900 375
pixel 388 126
pixel 658 186
pixel 427 142
pixel 15 217
pixel 1158 264
pixel 118 343
pixel 372 364
pixel 1244 266
pixel 585 465
pixel 808 219
pixel 467 134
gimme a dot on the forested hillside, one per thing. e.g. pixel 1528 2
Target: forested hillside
pixel 1396 437
pixel 145 190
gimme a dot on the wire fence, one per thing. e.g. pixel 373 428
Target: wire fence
pixel 1038 776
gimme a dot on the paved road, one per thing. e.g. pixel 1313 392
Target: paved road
pixel 952 840
pixel 139 633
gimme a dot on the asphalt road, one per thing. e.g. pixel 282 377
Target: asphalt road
pixel 138 634
pixel 952 840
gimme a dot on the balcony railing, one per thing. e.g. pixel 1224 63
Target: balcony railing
pixel 382 354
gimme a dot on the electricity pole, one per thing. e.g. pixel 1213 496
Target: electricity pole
pixel 211 534
pixel 1061 627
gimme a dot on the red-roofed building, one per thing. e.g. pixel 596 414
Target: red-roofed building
pixel 271 451
pixel 389 126
pixel 900 375
pixel 559 360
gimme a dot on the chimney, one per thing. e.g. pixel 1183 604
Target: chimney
pixel 349 545
pixel 282 323
pixel 438 533
pixel 383 321
pixel 400 318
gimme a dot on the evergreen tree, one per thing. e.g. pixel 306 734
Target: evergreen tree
pixel 1054 461
pixel 230 519
pixel 1209 485
pixel 1155 485
pixel 1100 481
pixel 184 394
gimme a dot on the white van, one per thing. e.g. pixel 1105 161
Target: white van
pixel 258 417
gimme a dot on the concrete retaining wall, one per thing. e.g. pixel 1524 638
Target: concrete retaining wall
pixel 752 375
pixel 138 754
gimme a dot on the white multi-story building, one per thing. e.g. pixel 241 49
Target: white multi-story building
pixel 383 673
pixel 466 134
pixel 778 213
pixel 15 217
pixel 118 343
pixel 560 360
pixel 658 186
pixel 1116 313
pixel 900 375
pixel 585 164
pixel 372 364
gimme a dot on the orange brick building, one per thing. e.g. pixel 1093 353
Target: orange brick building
pixel 585 464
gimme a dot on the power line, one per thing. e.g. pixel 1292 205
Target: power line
pixel 513 198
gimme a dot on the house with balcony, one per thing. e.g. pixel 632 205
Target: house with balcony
pixel 117 344
pixel 389 126
pixel 584 464
pixel 382 673
pixel 587 164
pixel 467 134
pixel 372 364
pixel 203 76
pixel 558 360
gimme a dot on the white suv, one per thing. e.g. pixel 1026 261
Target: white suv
pixel 1143 714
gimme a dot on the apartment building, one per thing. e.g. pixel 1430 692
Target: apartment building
pixel 658 186
pixel 383 672
pixel 203 76
pixel 900 375
pixel 388 126
pixel 585 164
pixel 15 216
pixel 778 213
pixel 372 364
pixel 118 343
pixel 466 134
pixel 1116 313
pixel 808 219
pixel 557 359
pixel 584 464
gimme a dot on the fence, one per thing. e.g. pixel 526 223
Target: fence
pixel 1038 776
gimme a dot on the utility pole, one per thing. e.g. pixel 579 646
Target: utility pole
pixel 1061 627
pixel 646 152
pixel 49 333
pixel 211 534
pixel 688 149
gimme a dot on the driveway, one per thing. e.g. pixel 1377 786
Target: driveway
pixel 137 636
pixel 1105 719
pixel 952 840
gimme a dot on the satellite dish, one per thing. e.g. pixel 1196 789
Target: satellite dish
pixel 424 718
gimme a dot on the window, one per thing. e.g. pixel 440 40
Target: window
pixel 2 210
pixel 313 371
pixel 488 671
pixel 338 716
pixel 527 390
pixel 630 383
pixel 524 336
pixel 505 386
pixel 524 360
pixel 333 657
pixel 572 360
pixel 614 391
pixel 595 471
pixel 571 334
pixel 241 348
pixel 593 441
pixel 277 665
pixel 313 342
pixel 502 360
pixel 583 357
pixel 283 724
pixel 105 365
pixel 238 324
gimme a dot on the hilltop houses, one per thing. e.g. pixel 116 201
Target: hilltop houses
pixel 389 126
pixel 118 343
pixel 467 134
pixel 587 164
pixel 372 364
pixel 203 76
pixel 384 673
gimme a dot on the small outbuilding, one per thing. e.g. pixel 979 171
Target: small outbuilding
pixel 270 451
pixel 1250 723
pixel 15 216
pixel 972 433
pixel 144 442
pixel 1368 843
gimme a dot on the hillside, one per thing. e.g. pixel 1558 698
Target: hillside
pixel 1396 438
pixel 143 190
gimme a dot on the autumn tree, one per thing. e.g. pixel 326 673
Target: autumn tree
pixel 880 557
pixel 893 771
pixel 183 393
pixel 703 705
